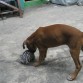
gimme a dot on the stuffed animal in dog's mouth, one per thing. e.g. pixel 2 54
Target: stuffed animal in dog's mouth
pixel 27 57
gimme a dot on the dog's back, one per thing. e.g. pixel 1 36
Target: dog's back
pixel 57 34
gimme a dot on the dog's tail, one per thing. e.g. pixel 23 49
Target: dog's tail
pixel 82 42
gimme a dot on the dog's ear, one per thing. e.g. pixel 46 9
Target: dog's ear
pixel 24 45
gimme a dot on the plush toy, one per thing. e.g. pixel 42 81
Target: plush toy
pixel 27 57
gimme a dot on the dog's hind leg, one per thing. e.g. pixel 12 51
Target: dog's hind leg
pixel 75 55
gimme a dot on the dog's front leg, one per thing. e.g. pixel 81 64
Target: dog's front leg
pixel 42 56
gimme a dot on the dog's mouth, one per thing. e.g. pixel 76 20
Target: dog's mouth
pixel 31 50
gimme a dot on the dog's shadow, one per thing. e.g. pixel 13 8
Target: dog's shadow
pixel 57 69
pixel 58 65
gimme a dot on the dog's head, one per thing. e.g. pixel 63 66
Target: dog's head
pixel 30 45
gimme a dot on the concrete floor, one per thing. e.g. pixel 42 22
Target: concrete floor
pixel 58 63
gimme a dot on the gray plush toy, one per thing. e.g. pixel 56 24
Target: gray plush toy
pixel 27 57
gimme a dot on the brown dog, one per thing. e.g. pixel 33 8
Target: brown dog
pixel 56 35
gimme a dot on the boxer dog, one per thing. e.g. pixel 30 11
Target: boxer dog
pixel 56 35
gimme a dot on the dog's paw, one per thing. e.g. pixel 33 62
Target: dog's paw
pixel 36 64
pixel 70 77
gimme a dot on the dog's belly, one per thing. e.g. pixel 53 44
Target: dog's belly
pixel 53 45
